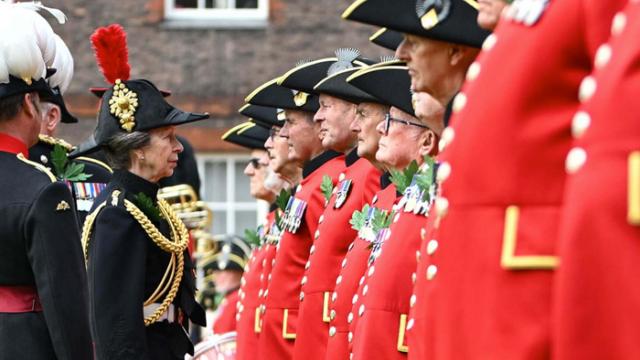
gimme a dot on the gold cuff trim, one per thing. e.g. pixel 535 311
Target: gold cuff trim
pixel 285 333
pixel 510 261
pixel 256 322
pixel 401 333
pixel 325 307
pixel 633 190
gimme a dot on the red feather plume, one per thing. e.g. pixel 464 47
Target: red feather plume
pixel 112 55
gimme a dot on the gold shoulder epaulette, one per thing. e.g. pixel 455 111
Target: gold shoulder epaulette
pixel 95 161
pixel 55 141
pixel 37 166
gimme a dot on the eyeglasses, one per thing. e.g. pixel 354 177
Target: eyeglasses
pixel 255 162
pixel 388 119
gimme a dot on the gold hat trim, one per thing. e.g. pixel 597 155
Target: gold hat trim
pixel 123 105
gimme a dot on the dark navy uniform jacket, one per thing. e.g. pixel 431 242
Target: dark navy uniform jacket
pixel 40 248
pixel 125 267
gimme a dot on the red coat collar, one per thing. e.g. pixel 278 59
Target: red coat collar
pixel 12 145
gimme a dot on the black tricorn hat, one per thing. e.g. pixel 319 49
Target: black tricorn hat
pixel 388 39
pixel 273 95
pixel 306 76
pixel 390 84
pixel 248 134
pixel 453 21
pixel 265 116
pixel 55 97
pixel 336 85
pixel 231 254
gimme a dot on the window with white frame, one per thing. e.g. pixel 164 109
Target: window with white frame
pixel 225 189
pixel 217 13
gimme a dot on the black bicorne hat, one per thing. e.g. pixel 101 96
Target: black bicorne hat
pixel 249 135
pixel 390 84
pixel 453 21
pixel 273 95
pixel 388 39
pixel 134 105
pixel 265 116
pixel 17 86
pixel 336 85
pixel 307 75
pixel 55 96
pixel 128 105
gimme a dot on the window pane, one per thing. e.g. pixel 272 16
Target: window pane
pixel 242 183
pixel 215 178
pixel 219 223
pixel 245 220
pixel 186 4
pixel 247 4
pixel 231 4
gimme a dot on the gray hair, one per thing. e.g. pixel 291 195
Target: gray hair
pixel 118 149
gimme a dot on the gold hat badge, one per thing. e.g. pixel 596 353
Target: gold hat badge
pixel 432 12
pixel 299 97
pixel 123 105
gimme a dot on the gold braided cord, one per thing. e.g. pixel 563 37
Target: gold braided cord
pixel 176 246
pixel 86 231
pixel 155 234
pixel 164 284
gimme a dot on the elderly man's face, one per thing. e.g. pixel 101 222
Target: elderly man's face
pixel 368 116
pixel 278 150
pixel 428 61
pixel 301 134
pixel 401 143
pixel 335 117
pixel 256 170
pixel 489 13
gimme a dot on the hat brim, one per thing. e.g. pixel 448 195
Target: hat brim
pixel 391 85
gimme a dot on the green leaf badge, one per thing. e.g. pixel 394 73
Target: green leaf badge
pixel 358 218
pixel 326 187
pixel 281 201
pixel 252 237
pixel 402 179
pixel 147 206
pixel 425 178
pixel 65 169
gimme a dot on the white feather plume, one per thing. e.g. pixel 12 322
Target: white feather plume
pixel 63 63
pixel 27 44
pixel 37 6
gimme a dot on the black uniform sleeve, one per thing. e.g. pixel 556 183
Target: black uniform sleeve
pixel 55 254
pixel 116 284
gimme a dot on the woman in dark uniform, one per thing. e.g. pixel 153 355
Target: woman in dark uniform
pixel 141 282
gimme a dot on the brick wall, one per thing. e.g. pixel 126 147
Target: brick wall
pixel 206 69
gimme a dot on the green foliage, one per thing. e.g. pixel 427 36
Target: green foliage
pixel 252 237
pixel 424 179
pixel 326 187
pixel 402 179
pixel 358 218
pixel 65 169
pixel 147 206
pixel 381 220
pixel 281 201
